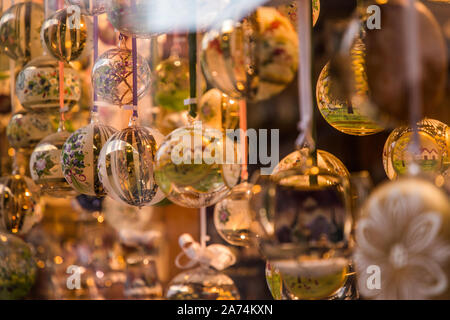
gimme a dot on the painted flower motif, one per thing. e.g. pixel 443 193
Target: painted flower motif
pixel 43 165
pixel 224 215
pixel 73 157
pixel 401 237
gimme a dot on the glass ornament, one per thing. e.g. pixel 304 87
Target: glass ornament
pixel 290 11
pixel 37 85
pixel 122 216
pixel 432 156
pixel 112 76
pixel 45 165
pixel 304 226
pixel 202 283
pixel 19 31
pixel 404 230
pixel 219 111
pixel 66 35
pixel 20 208
pixel 254 59
pixel 233 217
pixel 80 156
pixel 17 267
pixel 172 83
pixel 90 7
pixel 191 166
pixel 130 17
pixel 26 129
pixel 348 117
pixel 274 281
pixel 126 166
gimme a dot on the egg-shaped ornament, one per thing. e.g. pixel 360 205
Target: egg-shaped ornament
pixel 432 156
pixel 45 165
pixel 112 75
pixel 197 166
pixel 67 35
pixel 17 267
pixel 132 18
pixel 351 116
pixel 37 85
pixel 202 283
pixel 304 226
pixel 20 207
pixel 403 235
pixel 80 156
pixel 89 7
pixel 19 31
pixel 26 129
pixel 217 110
pixel 232 216
pixel 127 163
pixel 253 59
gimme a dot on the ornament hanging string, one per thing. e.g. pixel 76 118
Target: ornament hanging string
pixel 95 106
pixel 243 138
pixel 192 101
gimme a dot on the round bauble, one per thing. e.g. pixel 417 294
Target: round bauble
pixel 218 111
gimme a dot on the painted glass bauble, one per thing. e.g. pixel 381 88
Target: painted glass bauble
pixel 274 281
pixel 112 76
pixel 403 242
pixel 122 216
pixel 233 217
pixel 37 85
pixel 80 156
pixel 17 267
pixel 20 208
pixel 290 11
pixel 192 168
pixel 432 156
pixel 20 27
pixel 218 111
pixel 126 166
pixel 26 129
pixel 202 283
pixel 172 83
pixel 66 35
pixel 90 7
pixel 254 59
pixel 45 165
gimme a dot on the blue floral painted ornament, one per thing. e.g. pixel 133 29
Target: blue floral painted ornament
pixel 80 155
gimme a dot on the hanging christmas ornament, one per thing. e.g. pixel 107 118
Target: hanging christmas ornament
pixel 37 85
pixel 45 164
pixel 432 155
pixel 290 11
pixel 172 83
pixel 254 59
pixel 126 166
pixel 167 121
pixel 404 236
pixel 233 217
pixel 203 282
pixel 125 217
pixel 131 17
pixel 112 75
pixel 19 31
pixel 26 129
pixel 80 156
pixel 351 117
pixel 90 7
pixel 196 166
pixel 274 281
pixel 218 111
pixel 66 35
pixel 17 267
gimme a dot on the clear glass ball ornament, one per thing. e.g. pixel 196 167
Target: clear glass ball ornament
pixel 217 110
pixel 304 226
pixel 19 31
pixel 112 75
pixel 274 281
pixel 126 166
pixel 45 165
pixel 253 59
pixel 75 30
pixel 432 157
pixel 80 157
pixel 197 166
pixel 37 85
pixel 90 7
pixel 202 283
pixel 17 267
pixel 26 129
pixel 233 217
